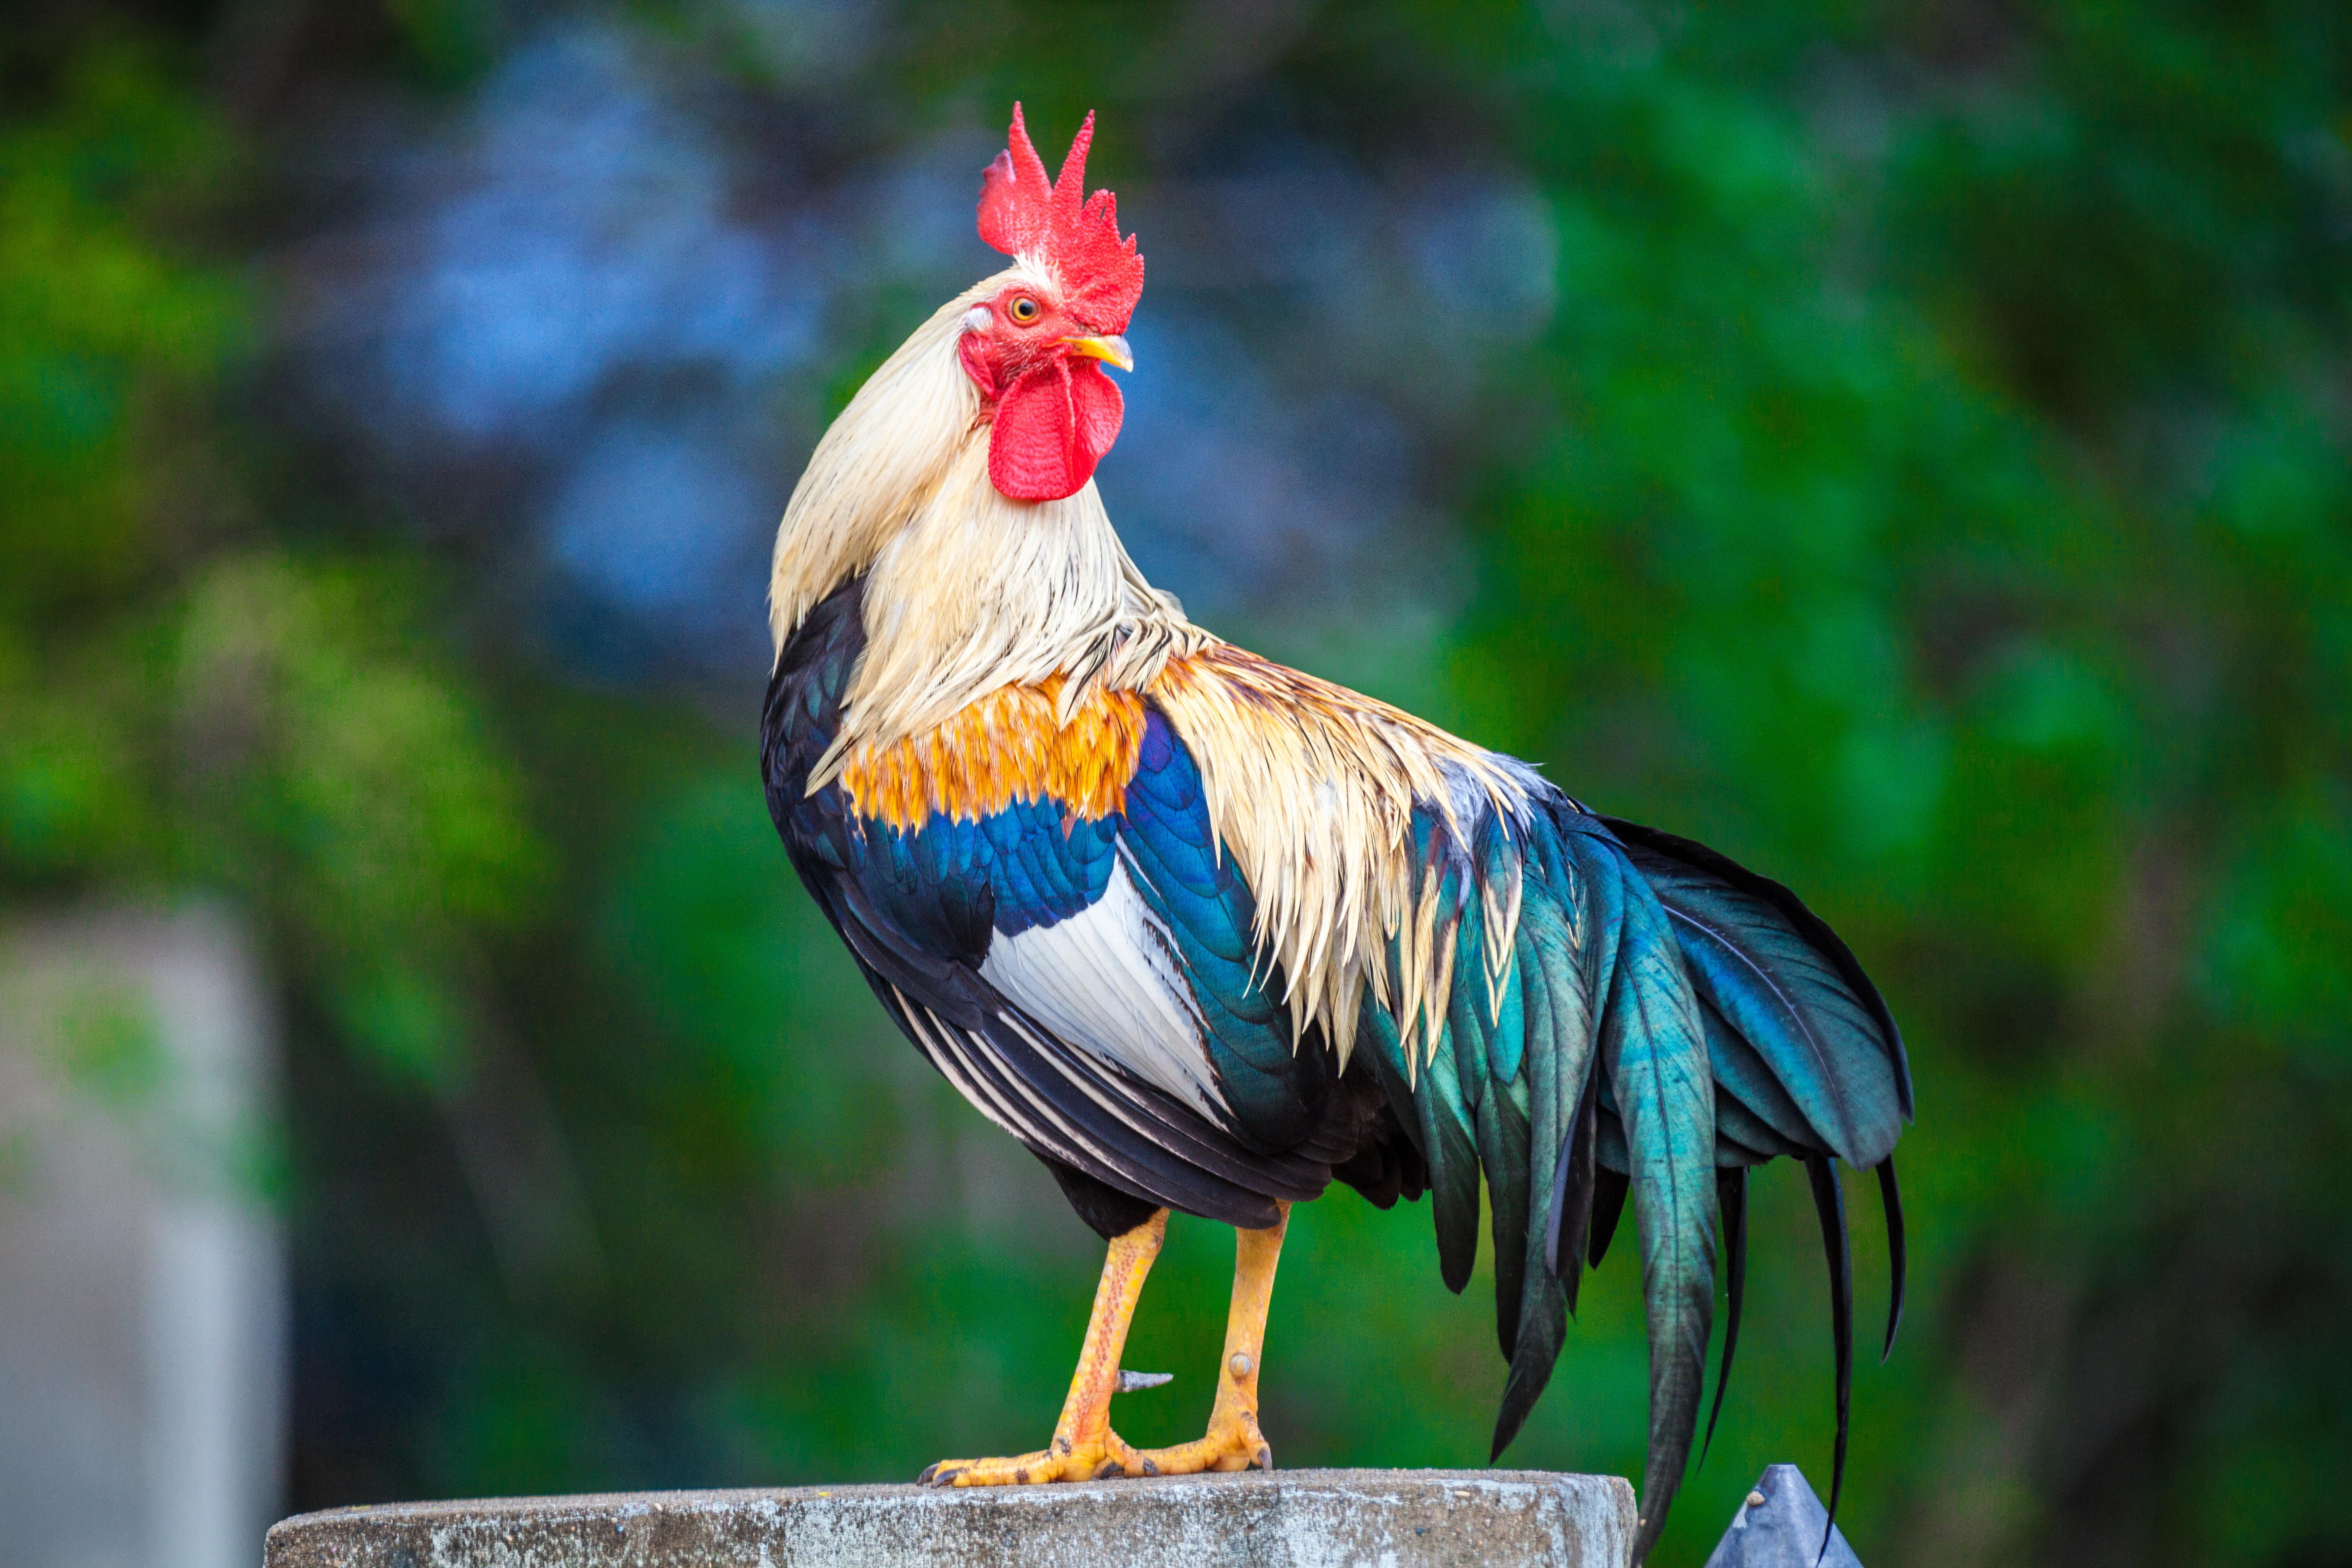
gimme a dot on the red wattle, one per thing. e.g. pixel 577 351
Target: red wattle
pixel 1052 426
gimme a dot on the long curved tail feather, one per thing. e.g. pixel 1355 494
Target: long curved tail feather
pixel 1829 1201
pixel 1807 1058
pixel 1731 1200
pixel 1890 1199
pixel 1632 1014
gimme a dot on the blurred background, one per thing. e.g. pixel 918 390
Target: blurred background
pixel 1903 445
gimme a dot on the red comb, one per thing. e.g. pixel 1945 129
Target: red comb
pixel 1020 214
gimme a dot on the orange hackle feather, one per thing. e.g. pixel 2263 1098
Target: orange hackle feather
pixel 1008 746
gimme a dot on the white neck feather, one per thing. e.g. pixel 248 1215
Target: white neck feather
pixel 966 590
pixel 875 466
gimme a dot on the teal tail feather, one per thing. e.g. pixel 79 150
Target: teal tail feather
pixel 1649 1021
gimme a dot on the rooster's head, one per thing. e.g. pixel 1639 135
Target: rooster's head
pixel 1035 347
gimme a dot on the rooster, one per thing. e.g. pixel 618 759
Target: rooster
pixel 1206 934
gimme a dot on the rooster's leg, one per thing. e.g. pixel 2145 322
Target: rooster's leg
pixel 1234 1441
pixel 1084 1446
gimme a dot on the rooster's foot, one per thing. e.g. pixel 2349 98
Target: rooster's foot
pixel 1233 1443
pixel 1084 1459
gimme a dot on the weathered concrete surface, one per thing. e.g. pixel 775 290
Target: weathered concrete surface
pixel 1289 1519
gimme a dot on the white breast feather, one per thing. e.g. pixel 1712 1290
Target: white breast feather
pixel 1109 981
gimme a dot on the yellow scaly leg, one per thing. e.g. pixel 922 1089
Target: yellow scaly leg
pixel 1084 1446
pixel 1234 1441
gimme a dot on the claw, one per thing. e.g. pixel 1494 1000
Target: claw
pixel 1132 1382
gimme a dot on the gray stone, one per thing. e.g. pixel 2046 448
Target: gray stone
pixel 1780 1525
pixel 1286 1519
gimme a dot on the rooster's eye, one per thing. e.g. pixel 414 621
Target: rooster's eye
pixel 1024 311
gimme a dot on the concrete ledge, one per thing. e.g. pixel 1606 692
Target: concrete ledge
pixel 1289 1519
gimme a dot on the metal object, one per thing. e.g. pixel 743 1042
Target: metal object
pixel 1780 1525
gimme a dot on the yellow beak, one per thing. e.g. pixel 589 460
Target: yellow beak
pixel 1110 350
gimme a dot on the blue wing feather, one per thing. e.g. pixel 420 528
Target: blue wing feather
pixel 1277 1091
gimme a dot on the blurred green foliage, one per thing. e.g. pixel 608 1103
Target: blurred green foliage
pixel 189 699
pixel 1932 489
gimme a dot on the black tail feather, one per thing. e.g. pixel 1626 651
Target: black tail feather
pixel 1829 1202
pixel 1731 1198
pixel 1891 1200
pixel 1543 1327
pixel 1608 1190
pixel 1572 1195
pixel 1503 1148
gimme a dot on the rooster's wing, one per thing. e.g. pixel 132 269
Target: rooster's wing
pixel 1085 983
